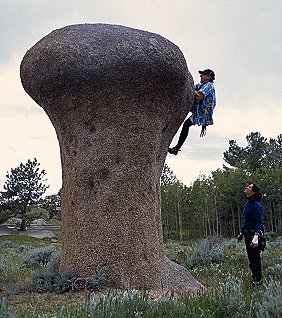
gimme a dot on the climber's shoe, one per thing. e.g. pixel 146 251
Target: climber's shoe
pixel 173 151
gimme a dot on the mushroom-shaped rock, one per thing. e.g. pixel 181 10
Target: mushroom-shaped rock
pixel 116 96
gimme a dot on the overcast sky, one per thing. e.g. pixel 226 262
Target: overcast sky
pixel 240 40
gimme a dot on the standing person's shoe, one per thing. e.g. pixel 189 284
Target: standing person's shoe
pixel 173 151
pixel 256 283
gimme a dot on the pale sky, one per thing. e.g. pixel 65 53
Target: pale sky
pixel 240 40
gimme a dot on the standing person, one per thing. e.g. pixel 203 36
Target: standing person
pixel 202 110
pixel 251 229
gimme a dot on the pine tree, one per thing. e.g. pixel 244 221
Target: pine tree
pixel 24 187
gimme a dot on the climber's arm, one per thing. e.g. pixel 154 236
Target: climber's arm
pixel 199 95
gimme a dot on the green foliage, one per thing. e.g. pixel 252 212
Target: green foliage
pixel 5 213
pixel 2 264
pixel 93 282
pixel 174 204
pixel 271 304
pixel 50 278
pixel 270 235
pixel 23 188
pixel 275 271
pixel 38 257
pixel 229 299
pixel 176 252
pixel 213 204
pixel 8 244
pixel 251 157
pixel 51 204
pixel 37 212
pixel 205 252
pixel 4 310
pixel 168 176
pixel 228 290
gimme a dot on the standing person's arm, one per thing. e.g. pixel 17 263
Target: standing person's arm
pixel 258 222
pixel 258 216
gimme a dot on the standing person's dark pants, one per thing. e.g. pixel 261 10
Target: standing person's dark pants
pixel 254 257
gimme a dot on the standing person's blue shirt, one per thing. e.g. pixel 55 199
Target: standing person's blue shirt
pixel 252 216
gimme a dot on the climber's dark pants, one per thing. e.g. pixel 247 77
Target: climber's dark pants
pixel 184 133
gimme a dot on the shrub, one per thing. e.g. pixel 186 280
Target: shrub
pixel 127 304
pixel 270 235
pixel 277 243
pixel 8 244
pixel 94 282
pixel 207 251
pixel 275 270
pixel 52 279
pixel 271 304
pixel 38 257
pixel 176 252
pixel 2 264
pixel 4 310
pixel 229 300
pixel 24 248
pixel 13 246
pixel 231 244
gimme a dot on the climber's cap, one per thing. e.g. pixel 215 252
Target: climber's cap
pixel 208 72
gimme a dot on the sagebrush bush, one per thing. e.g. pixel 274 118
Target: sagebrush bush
pixel 50 278
pixel 93 282
pixel 4 310
pixel 271 304
pixel 2 264
pixel 231 244
pixel 206 251
pixel 229 299
pixel 270 235
pixel 38 257
pixel 275 270
pixel 129 304
pixel 8 244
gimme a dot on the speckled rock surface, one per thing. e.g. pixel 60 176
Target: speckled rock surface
pixel 116 96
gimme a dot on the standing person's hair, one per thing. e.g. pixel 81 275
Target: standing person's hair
pixel 257 194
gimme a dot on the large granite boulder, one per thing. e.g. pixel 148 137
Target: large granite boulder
pixel 116 96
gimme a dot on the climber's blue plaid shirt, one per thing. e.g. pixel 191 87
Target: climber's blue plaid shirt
pixel 203 110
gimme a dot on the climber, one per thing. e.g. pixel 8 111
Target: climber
pixel 202 110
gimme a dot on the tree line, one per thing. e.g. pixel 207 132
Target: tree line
pixel 213 204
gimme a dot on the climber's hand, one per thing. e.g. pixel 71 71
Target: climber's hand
pixel 203 131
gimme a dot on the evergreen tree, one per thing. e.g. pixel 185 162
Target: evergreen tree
pixel 255 151
pixel 250 157
pixel 168 177
pixel 235 155
pixel 24 187
pixel 51 203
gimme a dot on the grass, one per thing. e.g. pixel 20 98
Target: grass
pixel 221 266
